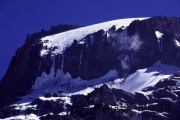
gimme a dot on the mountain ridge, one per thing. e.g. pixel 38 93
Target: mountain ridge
pixel 86 72
pixel 138 44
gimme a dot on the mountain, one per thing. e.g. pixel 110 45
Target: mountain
pixel 121 69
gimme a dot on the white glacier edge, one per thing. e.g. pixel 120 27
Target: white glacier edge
pixel 64 39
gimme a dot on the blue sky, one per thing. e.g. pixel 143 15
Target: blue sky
pixel 21 17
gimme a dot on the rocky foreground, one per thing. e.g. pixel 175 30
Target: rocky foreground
pixel 161 101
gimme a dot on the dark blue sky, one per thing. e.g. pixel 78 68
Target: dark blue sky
pixel 20 17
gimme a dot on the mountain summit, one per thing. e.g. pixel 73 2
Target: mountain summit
pixel 95 72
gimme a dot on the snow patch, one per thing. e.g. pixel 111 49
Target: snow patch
pixel 158 34
pixel 92 39
pixel 24 117
pixel 177 43
pixel 48 99
pixel 178 84
pixel 147 77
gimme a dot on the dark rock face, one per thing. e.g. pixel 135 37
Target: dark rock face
pixel 141 98
pixel 102 95
pixel 92 60
pixel 48 106
pixel 123 96
pixel 102 98
pixel 168 26
pixel 160 93
pixel 146 115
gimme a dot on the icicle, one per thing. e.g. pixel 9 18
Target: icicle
pixel 161 45
pixel 108 37
pixel 80 60
pixel 125 63
pixel 62 64
pixel 92 39
pixel 125 34
pixel 104 36
pixel 40 65
pixel 59 57
pixel 126 59
pixel 125 37
pixel 159 36
pixel 177 44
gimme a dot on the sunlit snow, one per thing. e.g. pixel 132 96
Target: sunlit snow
pixel 23 117
pixel 177 43
pixel 65 84
pixel 62 40
pixel 158 34
pixel 147 77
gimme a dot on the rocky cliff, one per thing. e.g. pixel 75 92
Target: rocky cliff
pixel 125 49
pixel 24 66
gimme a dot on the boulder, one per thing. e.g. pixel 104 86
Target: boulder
pixel 141 98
